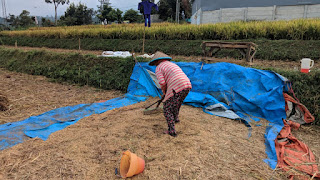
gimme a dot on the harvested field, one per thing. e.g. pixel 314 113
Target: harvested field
pixel 207 147
pixel 33 95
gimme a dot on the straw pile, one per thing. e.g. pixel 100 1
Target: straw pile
pixel 207 147
pixel 34 95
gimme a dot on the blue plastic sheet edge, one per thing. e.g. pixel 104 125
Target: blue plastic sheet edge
pixel 43 125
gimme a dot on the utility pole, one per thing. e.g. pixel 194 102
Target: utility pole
pixel 177 11
pixel 4 11
pixel 4 8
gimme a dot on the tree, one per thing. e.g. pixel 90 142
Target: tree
pixel 132 16
pixel 167 8
pixel 46 22
pixel 187 8
pixel 115 15
pixel 21 21
pixel 56 4
pixel 119 15
pixel 25 19
pixel 13 20
pixel 77 15
pixel 103 12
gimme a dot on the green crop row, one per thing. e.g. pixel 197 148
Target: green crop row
pixel 114 73
pixel 267 49
pixel 104 73
pixel 301 29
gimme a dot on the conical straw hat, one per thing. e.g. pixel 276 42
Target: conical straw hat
pixel 159 56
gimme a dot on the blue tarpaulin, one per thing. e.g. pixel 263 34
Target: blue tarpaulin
pixel 238 90
pixel 249 93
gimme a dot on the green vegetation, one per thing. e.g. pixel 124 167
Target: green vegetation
pixel 104 73
pixel 132 16
pixel 267 49
pixel 167 9
pixel 21 21
pixel 114 73
pixel 77 15
pixel 56 3
pixel 106 12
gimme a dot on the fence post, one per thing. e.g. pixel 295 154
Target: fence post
pixel 79 44
pixel 144 39
pixel 274 12
pixel 201 14
pixel 16 44
pixel 245 14
pixel 305 12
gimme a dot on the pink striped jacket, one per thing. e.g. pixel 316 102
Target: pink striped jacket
pixel 171 77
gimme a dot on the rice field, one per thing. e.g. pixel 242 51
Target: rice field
pixel 301 29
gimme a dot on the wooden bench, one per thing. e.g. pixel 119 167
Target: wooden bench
pixel 247 49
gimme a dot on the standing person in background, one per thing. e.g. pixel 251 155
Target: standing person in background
pixel 175 86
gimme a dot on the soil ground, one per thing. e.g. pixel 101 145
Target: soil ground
pixel 207 147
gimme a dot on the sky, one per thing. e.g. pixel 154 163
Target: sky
pixel 40 8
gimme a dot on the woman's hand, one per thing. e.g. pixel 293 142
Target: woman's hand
pixel 164 90
pixel 162 96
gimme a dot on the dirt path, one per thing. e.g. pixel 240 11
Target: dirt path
pixel 207 147
pixel 57 50
pixel 288 65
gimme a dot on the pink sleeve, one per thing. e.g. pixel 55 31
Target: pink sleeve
pixel 160 78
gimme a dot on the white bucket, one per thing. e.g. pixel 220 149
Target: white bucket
pixel 306 65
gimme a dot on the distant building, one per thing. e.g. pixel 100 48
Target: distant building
pixel 96 20
pixel 209 11
pixel 3 21
pixel 4 25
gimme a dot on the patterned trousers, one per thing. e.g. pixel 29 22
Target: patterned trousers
pixel 171 109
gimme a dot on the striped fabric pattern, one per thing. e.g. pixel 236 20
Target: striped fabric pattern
pixel 170 76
